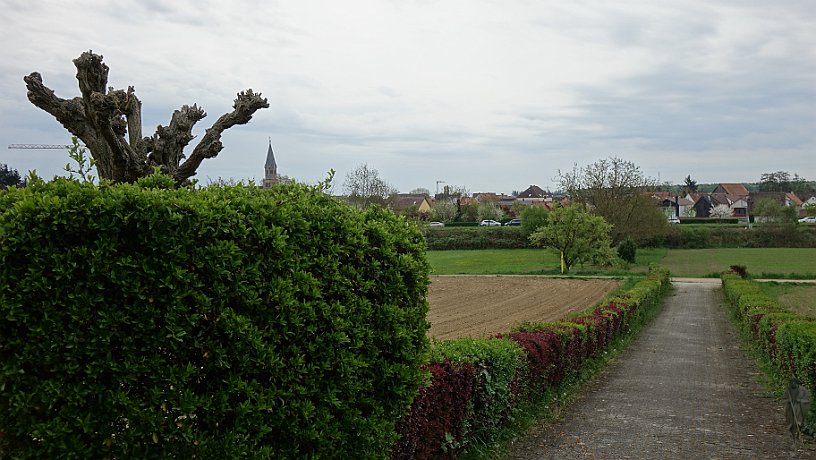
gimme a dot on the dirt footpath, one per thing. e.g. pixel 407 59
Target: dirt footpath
pixel 482 306
pixel 684 389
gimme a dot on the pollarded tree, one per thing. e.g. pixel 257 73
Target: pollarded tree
pixel 102 117
pixel 577 234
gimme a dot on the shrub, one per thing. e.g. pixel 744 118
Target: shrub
pixel 740 270
pixel 138 322
pixel 435 427
pixel 443 238
pixel 627 250
pixel 498 363
pixel 533 217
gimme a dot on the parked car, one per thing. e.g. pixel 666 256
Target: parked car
pixel 808 220
pixel 674 220
pixel 489 223
pixel 437 224
pixel 513 222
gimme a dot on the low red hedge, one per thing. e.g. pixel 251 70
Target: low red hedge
pixel 436 421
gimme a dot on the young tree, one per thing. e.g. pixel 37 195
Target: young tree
pixel 102 117
pixel 364 187
pixel 533 217
pixel 577 234
pixel 9 177
pixel 614 189
pixel 772 211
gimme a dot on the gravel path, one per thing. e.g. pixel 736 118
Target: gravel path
pixel 684 389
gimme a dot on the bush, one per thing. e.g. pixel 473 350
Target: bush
pixel 627 250
pixel 444 238
pixel 137 322
pixel 727 236
pixel 509 370
pixel 533 217
pixel 498 363
pixel 788 340
pixel 435 427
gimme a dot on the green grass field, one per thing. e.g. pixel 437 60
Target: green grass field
pixel 761 262
pixel 797 298
pixel 773 263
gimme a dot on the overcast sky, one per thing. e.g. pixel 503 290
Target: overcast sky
pixel 490 95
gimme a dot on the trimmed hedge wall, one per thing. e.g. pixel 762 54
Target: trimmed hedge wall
pixel 676 237
pixel 441 238
pixel 715 236
pixel 789 340
pixel 140 322
pixel 482 382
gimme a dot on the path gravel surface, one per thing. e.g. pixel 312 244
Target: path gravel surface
pixel 683 389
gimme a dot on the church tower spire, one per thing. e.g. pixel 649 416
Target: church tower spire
pixel 270 168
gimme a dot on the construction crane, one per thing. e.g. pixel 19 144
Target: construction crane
pixel 38 146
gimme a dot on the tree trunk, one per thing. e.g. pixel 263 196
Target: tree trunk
pixel 101 118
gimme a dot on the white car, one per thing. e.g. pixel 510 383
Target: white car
pixel 808 220
pixel 437 224
pixel 489 223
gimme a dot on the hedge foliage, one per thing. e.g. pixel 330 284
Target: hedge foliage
pixel 443 238
pixel 488 379
pixel 726 236
pixel 139 322
pixel 788 340
pixel 676 237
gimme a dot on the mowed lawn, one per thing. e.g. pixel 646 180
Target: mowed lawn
pixel 696 263
pixel 797 298
pixel 491 261
pixel 800 262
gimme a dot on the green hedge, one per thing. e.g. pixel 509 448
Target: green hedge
pixel 138 322
pixel 726 236
pixel 788 340
pixel 676 237
pixel 443 238
pixel 514 369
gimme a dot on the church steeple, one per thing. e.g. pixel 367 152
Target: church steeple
pixel 271 176
pixel 270 160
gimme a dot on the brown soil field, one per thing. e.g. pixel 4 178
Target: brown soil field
pixel 483 306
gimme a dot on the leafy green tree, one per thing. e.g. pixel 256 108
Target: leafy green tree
pixel 533 217
pixel 9 177
pixel 772 211
pixel 615 189
pixel 468 213
pixel 577 234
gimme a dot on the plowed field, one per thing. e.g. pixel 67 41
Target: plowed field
pixel 482 306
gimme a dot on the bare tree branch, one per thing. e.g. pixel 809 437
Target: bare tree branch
pixel 246 104
pixel 102 118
